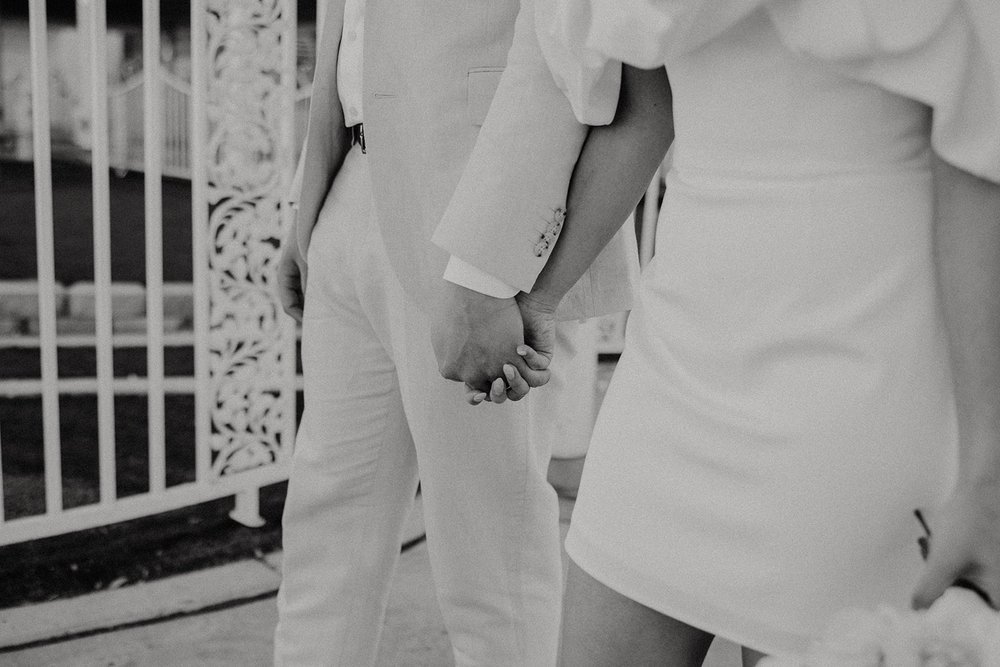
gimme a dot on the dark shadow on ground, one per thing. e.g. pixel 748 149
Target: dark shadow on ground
pixel 133 551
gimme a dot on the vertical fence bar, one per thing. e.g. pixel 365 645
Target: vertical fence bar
pixel 246 508
pixel 153 118
pixel 45 246
pixel 289 88
pixel 320 17
pixel 650 212
pixel 199 231
pixel 100 164
pixel 2 512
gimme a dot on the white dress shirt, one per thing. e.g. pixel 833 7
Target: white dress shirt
pixel 349 61
pixel 350 91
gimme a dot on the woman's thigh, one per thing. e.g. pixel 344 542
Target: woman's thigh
pixel 603 627
pixel 751 657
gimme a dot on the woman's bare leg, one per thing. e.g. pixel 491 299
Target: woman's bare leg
pixel 752 657
pixel 604 628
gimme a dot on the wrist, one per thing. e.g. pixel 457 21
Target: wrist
pixel 540 300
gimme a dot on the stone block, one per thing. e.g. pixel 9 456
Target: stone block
pixel 10 326
pixel 137 325
pixel 175 324
pixel 128 300
pixel 178 301
pixel 19 298
pixel 69 325
pixel 130 325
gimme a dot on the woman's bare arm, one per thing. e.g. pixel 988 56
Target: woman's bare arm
pixel 615 166
pixel 966 540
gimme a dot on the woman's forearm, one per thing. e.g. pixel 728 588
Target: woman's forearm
pixel 967 255
pixel 614 169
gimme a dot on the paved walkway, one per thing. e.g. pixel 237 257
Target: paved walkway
pixel 236 635
pixel 241 635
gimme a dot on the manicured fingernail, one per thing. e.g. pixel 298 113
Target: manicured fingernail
pixel 479 398
pixel 508 370
pixel 522 350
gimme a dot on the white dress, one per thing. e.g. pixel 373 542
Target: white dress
pixel 784 399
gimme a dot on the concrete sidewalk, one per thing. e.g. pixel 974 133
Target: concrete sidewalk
pixel 241 635
pixel 237 635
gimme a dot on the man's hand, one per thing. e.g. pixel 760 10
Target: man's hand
pixel 539 336
pixel 539 331
pixel 292 279
pixel 475 336
pixel 965 546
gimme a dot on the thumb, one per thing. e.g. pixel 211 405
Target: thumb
pixel 539 334
pixel 942 570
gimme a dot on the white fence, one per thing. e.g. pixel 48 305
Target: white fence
pixel 232 131
pixel 127 136
pixel 236 143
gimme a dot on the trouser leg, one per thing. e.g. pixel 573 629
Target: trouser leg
pixel 490 515
pixel 353 475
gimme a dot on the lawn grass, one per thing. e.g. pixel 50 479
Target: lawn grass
pixel 72 210
pixel 21 422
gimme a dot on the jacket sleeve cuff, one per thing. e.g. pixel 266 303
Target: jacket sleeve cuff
pixel 462 273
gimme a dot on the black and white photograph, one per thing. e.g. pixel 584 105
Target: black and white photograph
pixel 500 333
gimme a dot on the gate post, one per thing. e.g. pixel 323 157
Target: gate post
pixel 247 509
pixel 243 86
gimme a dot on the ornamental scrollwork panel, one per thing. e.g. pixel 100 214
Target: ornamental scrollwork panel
pixel 247 341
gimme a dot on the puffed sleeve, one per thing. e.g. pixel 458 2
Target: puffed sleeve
pixel 944 53
pixel 585 42
pixel 589 79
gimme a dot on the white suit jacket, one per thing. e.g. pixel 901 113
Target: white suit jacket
pixel 431 69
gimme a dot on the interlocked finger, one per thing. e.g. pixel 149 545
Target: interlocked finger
pixel 517 388
pixel 473 396
pixel 498 391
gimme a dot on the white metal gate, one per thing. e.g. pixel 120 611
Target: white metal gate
pixel 232 131
pixel 240 154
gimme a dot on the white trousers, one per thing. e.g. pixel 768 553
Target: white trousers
pixel 377 416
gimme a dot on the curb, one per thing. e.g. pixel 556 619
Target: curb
pixel 210 589
pixel 216 587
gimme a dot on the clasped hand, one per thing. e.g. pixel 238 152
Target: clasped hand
pixel 500 348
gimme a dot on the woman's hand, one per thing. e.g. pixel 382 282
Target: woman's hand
pixel 512 385
pixel 965 546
